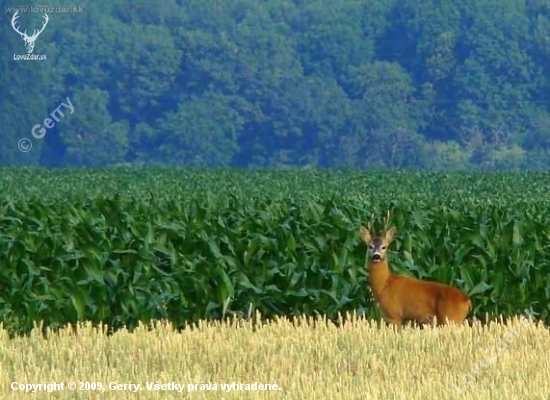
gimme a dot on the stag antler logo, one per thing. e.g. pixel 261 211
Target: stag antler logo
pixel 29 40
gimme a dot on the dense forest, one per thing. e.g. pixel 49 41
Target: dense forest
pixel 325 83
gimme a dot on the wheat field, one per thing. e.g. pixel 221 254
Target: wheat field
pixel 304 359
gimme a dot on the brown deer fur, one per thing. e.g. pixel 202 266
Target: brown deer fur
pixel 402 298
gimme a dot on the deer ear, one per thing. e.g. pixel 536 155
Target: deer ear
pixel 390 234
pixel 365 234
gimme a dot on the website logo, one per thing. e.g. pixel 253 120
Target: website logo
pixel 29 40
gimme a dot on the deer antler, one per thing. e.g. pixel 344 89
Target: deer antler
pixel 386 221
pixel 15 16
pixel 24 34
pixel 371 223
pixel 43 24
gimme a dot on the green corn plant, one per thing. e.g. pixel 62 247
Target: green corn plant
pixel 127 245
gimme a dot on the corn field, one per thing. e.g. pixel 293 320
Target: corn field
pixel 310 358
pixel 124 246
pixel 150 283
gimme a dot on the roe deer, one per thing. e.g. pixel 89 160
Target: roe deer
pixel 402 298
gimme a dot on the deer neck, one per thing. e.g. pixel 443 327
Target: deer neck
pixel 379 273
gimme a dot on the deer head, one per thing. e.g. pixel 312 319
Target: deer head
pixel 29 40
pixel 378 245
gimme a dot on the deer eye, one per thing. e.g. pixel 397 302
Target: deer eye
pixel 383 247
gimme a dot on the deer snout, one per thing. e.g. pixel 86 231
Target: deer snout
pixel 376 257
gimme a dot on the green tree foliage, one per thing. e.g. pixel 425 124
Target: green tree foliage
pixel 357 83
pixel 94 131
pixel 385 112
pixel 203 131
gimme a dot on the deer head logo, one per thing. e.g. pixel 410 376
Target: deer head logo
pixel 29 40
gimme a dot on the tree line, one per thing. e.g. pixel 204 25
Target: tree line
pixel 326 83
